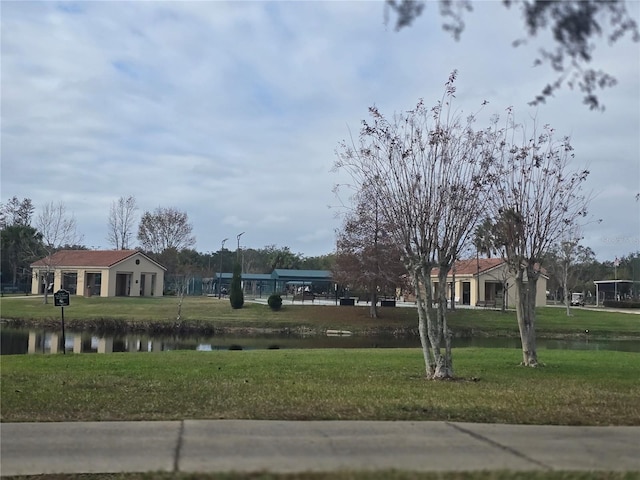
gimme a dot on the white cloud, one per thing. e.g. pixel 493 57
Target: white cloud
pixel 231 111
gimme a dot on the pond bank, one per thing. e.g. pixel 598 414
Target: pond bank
pixel 118 326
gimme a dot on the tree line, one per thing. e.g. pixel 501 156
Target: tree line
pixel 164 234
pixel 366 259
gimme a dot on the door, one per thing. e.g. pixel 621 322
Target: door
pixel 466 293
pixel 122 284
pixel 142 284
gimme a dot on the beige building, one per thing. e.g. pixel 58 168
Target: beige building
pixel 487 282
pixel 104 273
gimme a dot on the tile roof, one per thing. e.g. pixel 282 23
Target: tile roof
pixel 472 266
pixel 85 258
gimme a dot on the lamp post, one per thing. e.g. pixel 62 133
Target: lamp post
pixel 616 263
pixel 238 259
pixel 238 249
pixel 220 277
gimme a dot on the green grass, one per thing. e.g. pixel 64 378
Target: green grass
pixel 573 388
pixel 201 313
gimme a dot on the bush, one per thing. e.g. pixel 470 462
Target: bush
pixel 623 304
pixel 236 295
pixel 275 301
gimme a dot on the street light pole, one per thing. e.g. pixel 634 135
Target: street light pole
pixel 238 260
pixel 238 249
pixel 220 277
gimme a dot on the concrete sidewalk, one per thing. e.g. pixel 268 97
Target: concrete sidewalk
pixel 299 446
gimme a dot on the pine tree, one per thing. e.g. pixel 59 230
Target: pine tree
pixel 236 296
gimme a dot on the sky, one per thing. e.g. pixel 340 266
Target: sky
pixel 233 111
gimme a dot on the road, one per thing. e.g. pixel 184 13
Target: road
pixel 300 446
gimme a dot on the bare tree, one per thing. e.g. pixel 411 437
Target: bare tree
pixel 367 257
pixel 570 257
pixel 426 169
pixel 165 228
pixel 574 25
pixel 57 228
pixel 120 222
pixel 537 200
pixel 182 283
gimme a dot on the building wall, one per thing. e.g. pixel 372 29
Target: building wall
pixel 144 268
pixel 500 275
pixel 153 284
pixel 37 279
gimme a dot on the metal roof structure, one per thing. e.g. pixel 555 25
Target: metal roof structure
pixel 308 275
pixel 611 289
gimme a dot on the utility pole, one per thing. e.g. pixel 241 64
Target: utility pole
pixel 238 259
pixel 220 276
pixel 238 249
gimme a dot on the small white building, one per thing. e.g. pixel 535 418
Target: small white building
pixel 486 282
pixel 104 273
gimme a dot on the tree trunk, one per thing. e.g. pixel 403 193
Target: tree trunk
pixel 179 316
pixel 46 287
pixel 565 282
pixel 373 307
pixel 443 360
pixel 435 337
pixel 526 314
pixel 453 291
pixel 421 299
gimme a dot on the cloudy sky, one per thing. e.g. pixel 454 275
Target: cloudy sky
pixel 232 111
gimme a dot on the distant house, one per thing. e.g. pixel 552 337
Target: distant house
pixel 486 282
pixel 104 273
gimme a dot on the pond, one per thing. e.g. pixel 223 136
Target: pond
pixel 21 341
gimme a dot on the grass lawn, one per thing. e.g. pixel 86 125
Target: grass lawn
pixel 201 313
pixel 573 388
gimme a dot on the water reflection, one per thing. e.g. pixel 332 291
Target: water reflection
pixel 32 342
pixel 51 342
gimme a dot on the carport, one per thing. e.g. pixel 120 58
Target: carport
pixel 614 290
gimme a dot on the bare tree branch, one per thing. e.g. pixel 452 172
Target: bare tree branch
pixel 120 222
pixel 426 169
pixel 57 229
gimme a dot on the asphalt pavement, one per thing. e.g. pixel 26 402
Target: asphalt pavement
pixel 302 446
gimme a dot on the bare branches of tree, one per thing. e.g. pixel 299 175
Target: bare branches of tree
pixel 367 257
pixel 426 167
pixel 57 228
pixel 165 228
pixel 537 200
pixel 120 222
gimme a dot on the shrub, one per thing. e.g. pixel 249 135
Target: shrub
pixel 236 295
pixel 621 304
pixel 275 301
